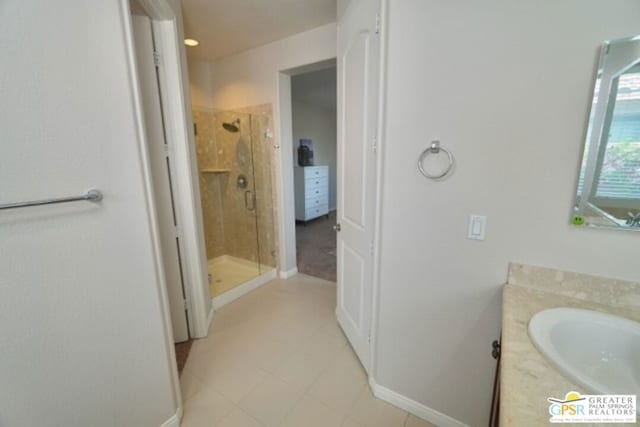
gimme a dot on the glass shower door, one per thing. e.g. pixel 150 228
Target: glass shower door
pixel 240 261
pixel 234 153
pixel 263 183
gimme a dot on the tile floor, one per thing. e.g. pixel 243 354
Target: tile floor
pixel 227 273
pixel 276 357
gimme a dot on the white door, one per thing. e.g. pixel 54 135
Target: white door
pixel 161 173
pixel 358 79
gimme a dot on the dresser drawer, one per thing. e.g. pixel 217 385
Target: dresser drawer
pixel 310 193
pixel 315 212
pixel 313 183
pixel 316 172
pixel 320 200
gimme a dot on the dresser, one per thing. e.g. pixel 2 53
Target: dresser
pixel 311 191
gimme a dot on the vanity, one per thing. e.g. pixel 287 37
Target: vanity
pixel 527 377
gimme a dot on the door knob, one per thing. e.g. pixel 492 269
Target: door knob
pixel 337 227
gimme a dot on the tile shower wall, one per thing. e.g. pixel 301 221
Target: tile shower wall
pixel 230 228
pixel 233 152
pixel 210 193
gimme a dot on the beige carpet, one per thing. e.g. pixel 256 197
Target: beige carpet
pixel 316 247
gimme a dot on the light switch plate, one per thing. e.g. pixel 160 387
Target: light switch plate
pixel 477 227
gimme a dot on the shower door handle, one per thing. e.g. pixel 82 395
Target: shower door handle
pixel 246 200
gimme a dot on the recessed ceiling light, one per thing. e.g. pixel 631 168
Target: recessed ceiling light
pixel 191 42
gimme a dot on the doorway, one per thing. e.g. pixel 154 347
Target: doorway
pixel 163 188
pixel 314 129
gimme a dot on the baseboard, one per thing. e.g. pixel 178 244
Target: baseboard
pixel 243 289
pixel 212 312
pixel 174 421
pixel 413 407
pixel 288 273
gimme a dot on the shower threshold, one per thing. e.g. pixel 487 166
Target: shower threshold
pixel 233 277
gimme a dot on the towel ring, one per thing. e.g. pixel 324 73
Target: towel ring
pixel 435 149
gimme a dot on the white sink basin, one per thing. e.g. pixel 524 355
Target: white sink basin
pixel 598 351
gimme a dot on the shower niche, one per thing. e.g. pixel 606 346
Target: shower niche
pixel 234 151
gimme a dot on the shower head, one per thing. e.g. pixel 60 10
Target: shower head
pixel 233 126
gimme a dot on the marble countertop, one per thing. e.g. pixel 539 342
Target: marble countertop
pixel 527 379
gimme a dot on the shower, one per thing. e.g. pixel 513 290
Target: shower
pixel 233 126
pixel 238 220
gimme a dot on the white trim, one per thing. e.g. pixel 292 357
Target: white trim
pixel 150 205
pixel 377 243
pixel 413 407
pixel 175 419
pixel 176 105
pixel 284 174
pixel 186 191
pixel 243 289
pixel 160 10
pixel 212 312
pixel 288 273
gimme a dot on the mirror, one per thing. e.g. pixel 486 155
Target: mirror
pixel 608 189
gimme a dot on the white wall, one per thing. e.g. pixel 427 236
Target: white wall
pixel 255 77
pixel 200 83
pixel 318 124
pixel 81 315
pixel 341 6
pixel 250 77
pixel 506 86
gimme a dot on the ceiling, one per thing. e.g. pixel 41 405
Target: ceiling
pixel 316 88
pixel 225 27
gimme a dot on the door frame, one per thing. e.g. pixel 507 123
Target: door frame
pixel 379 191
pixel 285 191
pixel 176 104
